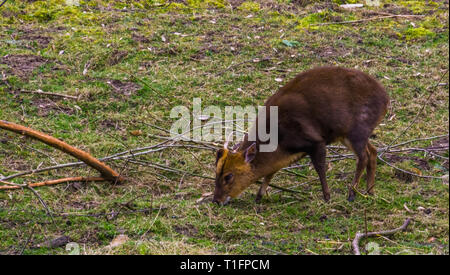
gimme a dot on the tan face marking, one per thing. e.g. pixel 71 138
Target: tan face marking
pixel 233 175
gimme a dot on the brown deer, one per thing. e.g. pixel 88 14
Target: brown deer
pixel 318 107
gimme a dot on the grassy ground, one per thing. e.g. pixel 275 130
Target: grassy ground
pixel 130 62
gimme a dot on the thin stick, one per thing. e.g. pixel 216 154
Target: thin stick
pixel 360 236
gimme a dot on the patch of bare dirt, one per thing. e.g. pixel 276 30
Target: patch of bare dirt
pixel 116 57
pixel 80 205
pixel 168 51
pixel 139 38
pixel 123 88
pixel 147 64
pixel 442 142
pixel 187 230
pixel 301 3
pixel 40 40
pixel 17 165
pixel 422 163
pixel 235 3
pixel 203 51
pixel 41 36
pixel 110 124
pixel 46 106
pixel 90 237
pixel 23 65
pixel 394 9
pixel 408 178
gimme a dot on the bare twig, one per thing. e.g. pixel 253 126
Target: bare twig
pixel 359 236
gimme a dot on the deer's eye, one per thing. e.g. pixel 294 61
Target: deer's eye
pixel 228 178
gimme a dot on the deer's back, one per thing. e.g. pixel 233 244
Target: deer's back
pixel 328 103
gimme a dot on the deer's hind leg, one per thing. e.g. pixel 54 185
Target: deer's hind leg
pixel 371 166
pixel 359 148
pixel 318 159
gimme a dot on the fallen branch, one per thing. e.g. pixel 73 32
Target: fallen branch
pixel 104 169
pixel 10 186
pixel 359 236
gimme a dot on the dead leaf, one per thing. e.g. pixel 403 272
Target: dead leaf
pixel 118 241
pixel 207 194
pixel 417 171
pixel 407 209
pixel 204 197
pixel 430 240
pixel 136 132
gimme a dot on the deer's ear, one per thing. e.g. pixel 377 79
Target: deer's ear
pixel 219 154
pixel 250 153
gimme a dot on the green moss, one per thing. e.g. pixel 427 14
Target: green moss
pixel 310 21
pixel 45 11
pixel 419 7
pixel 177 7
pixel 417 33
pixel 250 6
pixel 432 22
pixel 206 3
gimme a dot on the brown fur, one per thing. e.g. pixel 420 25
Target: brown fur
pixel 316 108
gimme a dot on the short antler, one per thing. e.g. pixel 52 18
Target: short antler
pixel 225 145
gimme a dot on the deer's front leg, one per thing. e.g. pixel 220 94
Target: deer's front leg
pixel 262 189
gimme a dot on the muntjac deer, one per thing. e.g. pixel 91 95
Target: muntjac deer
pixel 316 108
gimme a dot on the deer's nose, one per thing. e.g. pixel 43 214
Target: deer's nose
pixel 221 203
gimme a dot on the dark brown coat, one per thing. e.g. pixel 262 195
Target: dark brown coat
pixel 316 108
